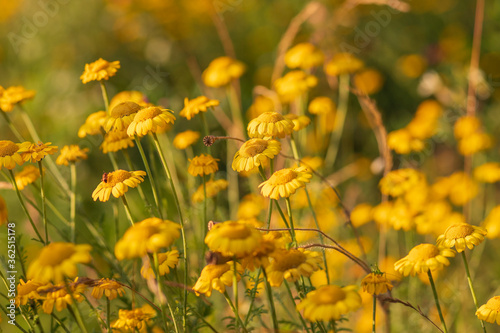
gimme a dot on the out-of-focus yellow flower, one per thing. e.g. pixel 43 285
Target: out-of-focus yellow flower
pixel 291 265
pixel 135 320
pixel 312 162
pixel 185 139
pixel 213 187
pixel 14 95
pixel 71 154
pixel 412 65
pixel 470 136
pixel 254 152
pixel 462 235
pixel 197 105
pixel 398 182
pixel 150 120
pixel 269 125
pixel 491 223
pixel 423 258
pixel 99 70
pixel 402 142
pixel 488 172
pixel 294 84
pixel 4 214
pixel 250 206
pixel 166 261
pixel 304 56
pixel 322 105
pixel 37 151
pixel 260 105
pixel 343 63
pixel 121 116
pixel 368 81
pixel 434 214
pixel 27 176
pixel 285 182
pixel 115 141
pixel 466 126
pixel 94 124
pixel 217 277
pixel 299 122
pixel 107 287
pixel 129 96
pixel 267 245
pixel 203 165
pixel 462 188
pixel 221 71
pixel 117 183
pixel 232 238
pixel 361 214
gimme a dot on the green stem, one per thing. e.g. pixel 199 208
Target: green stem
pixel 431 280
pixel 374 313
pixel 113 160
pixel 471 287
pixel 127 209
pixel 108 314
pixel 204 222
pixel 162 294
pixel 294 305
pixel 104 95
pixel 44 206
pixel 238 319
pixel 12 127
pixel 205 129
pixel 235 292
pixel 271 302
pixel 77 315
pixel 290 218
pixel 72 213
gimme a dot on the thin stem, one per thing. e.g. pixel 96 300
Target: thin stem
pixel 162 294
pixel 228 299
pixel 12 127
pixel 72 213
pixel 290 218
pixel 431 280
pixel 204 222
pixel 127 209
pixel 205 128
pixel 235 293
pixel 374 313
pixel 108 314
pixel 294 305
pixel 471 287
pixel 44 206
pixel 271 302
pixel 104 95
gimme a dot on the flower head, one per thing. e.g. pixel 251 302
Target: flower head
pixel 99 70
pixel 291 264
pixel 402 142
pixel 368 81
pixel 221 71
pixel 93 124
pixel 299 122
pixel 254 152
pixel 423 258
pixel 14 95
pixel 213 187
pixel 147 236
pixel 269 125
pixel 58 295
pixel 294 84
pixel 110 288
pixel 151 119
pixel 71 154
pixel 121 116
pixel 398 182
pixel 117 183
pixel 304 55
pixel 488 172
pixel 135 320
pixel 197 105
pixel 285 182
pixel 329 303
pixel 343 63
pixel 322 105
pixel 27 176
pixel 129 96
pixel 233 238
pixel 462 235
pixel 115 141
pixel 166 261
pixel 490 312
pixel 216 277
pixel 185 139
pixel 37 151
pixel 376 283
pixel 57 261
pixel 202 165
pixel 27 290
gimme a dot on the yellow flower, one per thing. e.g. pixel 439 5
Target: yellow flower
pixel 115 141
pixel 129 96
pixel 147 236
pixel 368 81
pixel 37 151
pixel 151 119
pixel 166 261
pixel 9 153
pixel 136 320
pixel 462 235
pixel 490 223
pixel 185 139
pixel 361 214
pixel 291 264
pixel 14 95
pixel 216 277
pixel 221 71
pixel 57 261
pixel 475 143
pixel 202 165
pixel 488 172
pixel 398 182
pixel 71 154
pixel 108 287
pixel 304 55
pixel 4 215
pixel 343 63
pixel 322 105
pixel 312 162
pixel 99 70
pixel 412 65
pixel 260 105
pixel 58 295
pixel 213 187
pixel 117 183
pixel 250 206
pixel 268 244
pixel 376 283
pixel 423 258
pixel 233 238
pixel 466 126
pixel 294 84
pixel 329 303
pixel 27 290
pixel 402 142
pixel 27 176
pixel 299 122
pixel 93 124
pixel 490 312
pixel 462 188
pixel 121 116
pixel 285 182
pixel 268 125
pixel 197 105
pixel 254 152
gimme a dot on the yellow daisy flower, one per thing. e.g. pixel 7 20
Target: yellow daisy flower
pixel 462 188
pixel 422 258
pixel 490 312
pixel 475 143
pixel 108 287
pixel 398 182
pixel 202 165
pixel 4 215
pixel 322 105
pixel 294 84
pixel 10 153
pixel 71 154
pixel 147 236
pixel 466 126
pixel 361 214
pixel 376 283
pixel 368 81
pixel 58 295
pixel 213 187
pixel 299 122
pixel 329 303
pixel 27 176
pixel 27 290
pixel 260 256
pixel 136 320
pixel 221 71
pixel 462 235
pixel 151 119
pixel 99 70
pixel 117 183
pixel 166 261
pixel 343 63
pixel 57 261
pixel 254 152
pixel 260 105
pixel 291 264
pixel 37 151
pixel 94 124
pixel 269 125
pixel 305 56
pixel 115 141
pixel 129 96
pixel 14 95
pixel 217 277
pixel 233 239
pixel 121 116
pixel 197 105
pixel 185 139
pixel 402 142
pixel 285 182
pixel 488 172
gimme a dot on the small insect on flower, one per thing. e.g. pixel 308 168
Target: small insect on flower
pixel 104 177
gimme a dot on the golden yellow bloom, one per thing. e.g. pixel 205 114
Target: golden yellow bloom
pixel 108 287
pixel 254 152
pixel 99 70
pixel 260 105
pixel 299 122
pixel 490 312
pixel 71 154
pixel 151 119
pixel 304 56
pixel 260 256
pixel 343 63
pixel 462 235
pixel 368 81
pixel 27 176
pixel 136 320
pixel 291 264
pixel 4 215
pixel 232 238
pixel 423 258
pixel 13 95
pixel 294 84
pixel 398 182
pixel 203 165
pixel 197 105
pixel 312 162
pixel 376 283
pixel 466 126
pixel 58 295
pixel 269 125
pixel 129 96
pixel 121 116
pixel 221 71
pixel 166 261
pixel 27 290
pixel 402 142
pixel 475 143
pixel 115 141
pixel 412 65
pixel 147 236
pixel 425 122
pixel 462 188
pixel 361 214
pixel 93 124
pixel 57 261
pixel 37 151
pixel 322 105
pixel 490 223
pixel 117 183
pixel 185 139
pixel 285 182
pixel 217 277
pixel 250 206
pixel 488 172
pixel 213 187
pixel 329 303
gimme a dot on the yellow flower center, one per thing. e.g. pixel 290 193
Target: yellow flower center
pixel 55 253
pixel 293 259
pixel 118 176
pixel 7 148
pixel 235 230
pixel 125 109
pixel 253 147
pixel 270 117
pixel 494 303
pixel 330 295
pixel 283 176
pixel 148 113
pixel 423 252
pixel 457 231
